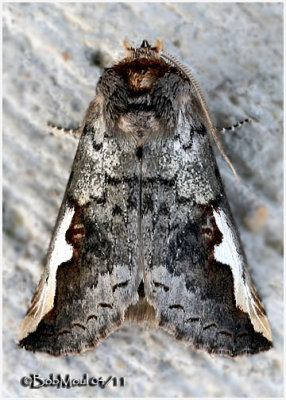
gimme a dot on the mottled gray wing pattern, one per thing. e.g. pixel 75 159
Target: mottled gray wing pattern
pixel 196 276
pixel 91 275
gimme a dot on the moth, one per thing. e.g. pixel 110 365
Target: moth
pixel 145 233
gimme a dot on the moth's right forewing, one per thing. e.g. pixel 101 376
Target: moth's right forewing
pixel 196 275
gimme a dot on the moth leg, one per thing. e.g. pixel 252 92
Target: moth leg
pixel 60 130
pixel 234 127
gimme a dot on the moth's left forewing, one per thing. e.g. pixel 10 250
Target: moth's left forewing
pixel 91 273
pixel 60 251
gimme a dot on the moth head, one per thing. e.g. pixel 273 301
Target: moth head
pixel 145 50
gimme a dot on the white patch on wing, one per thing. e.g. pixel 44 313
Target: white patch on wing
pixel 61 251
pixel 43 301
pixel 227 253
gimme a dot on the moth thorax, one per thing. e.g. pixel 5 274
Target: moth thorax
pixel 142 79
pixel 139 125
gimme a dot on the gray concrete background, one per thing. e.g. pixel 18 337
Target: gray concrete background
pixel 53 57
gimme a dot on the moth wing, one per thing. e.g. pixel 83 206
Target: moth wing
pixel 196 275
pixel 91 272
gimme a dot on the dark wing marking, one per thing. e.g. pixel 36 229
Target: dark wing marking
pixel 91 275
pixel 196 275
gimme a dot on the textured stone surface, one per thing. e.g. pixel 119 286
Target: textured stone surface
pixel 53 57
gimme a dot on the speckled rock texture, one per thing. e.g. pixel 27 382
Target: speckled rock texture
pixel 53 57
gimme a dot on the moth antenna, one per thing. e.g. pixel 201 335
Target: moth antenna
pixel 233 127
pixel 60 130
pixel 203 104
